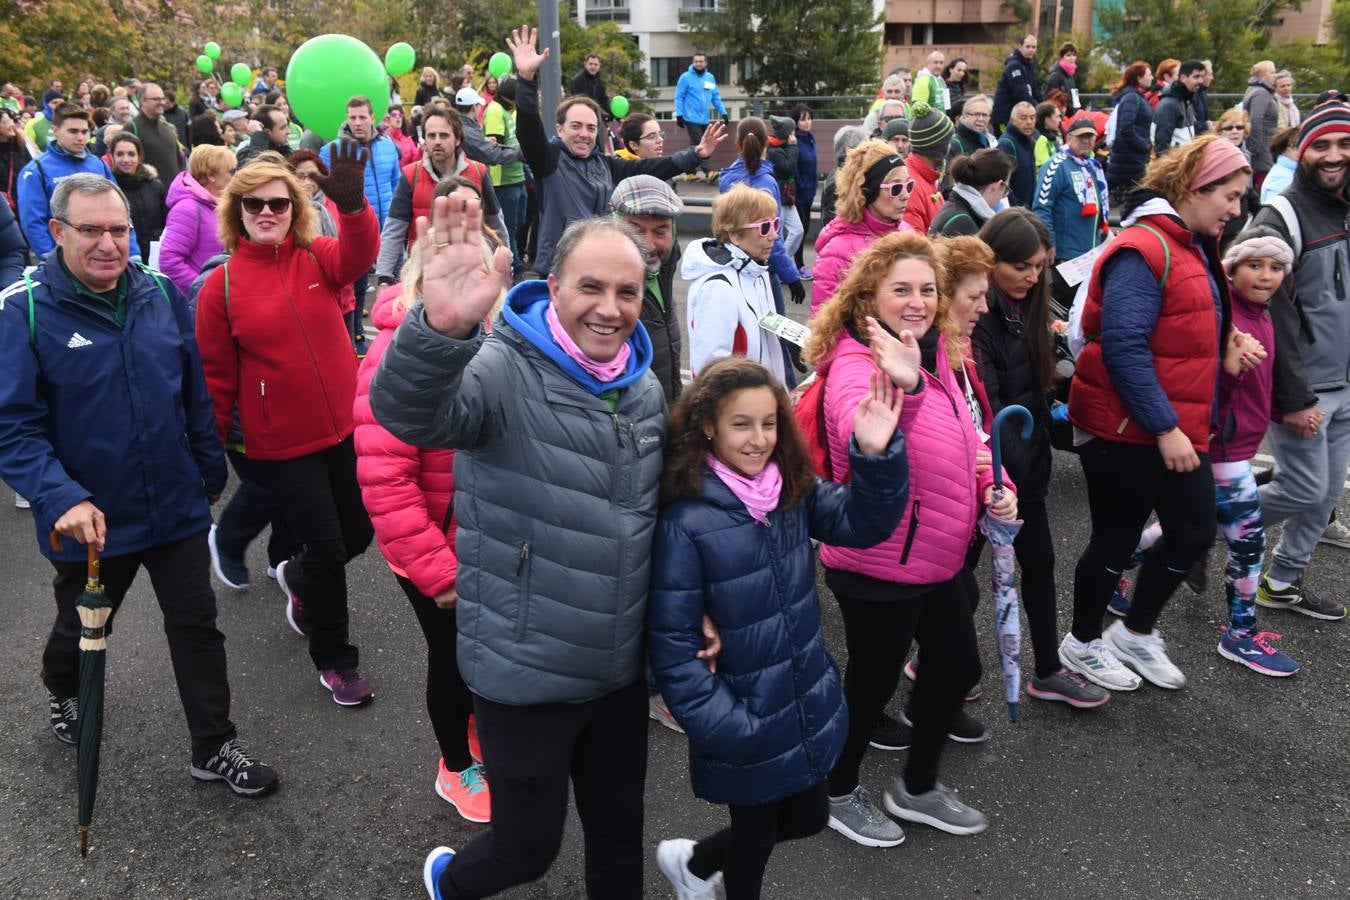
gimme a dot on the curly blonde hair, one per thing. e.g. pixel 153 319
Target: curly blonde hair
pixel 850 203
pixel 229 212
pixel 855 298
pixel 1172 173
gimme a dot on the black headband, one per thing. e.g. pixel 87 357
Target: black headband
pixel 878 171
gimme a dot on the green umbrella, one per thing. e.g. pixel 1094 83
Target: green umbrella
pixel 94 610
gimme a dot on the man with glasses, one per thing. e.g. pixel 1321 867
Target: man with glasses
pixel 66 155
pixel 159 138
pixel 107 428
pixel 972 126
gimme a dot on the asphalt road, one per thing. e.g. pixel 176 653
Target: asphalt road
pixel 1232 787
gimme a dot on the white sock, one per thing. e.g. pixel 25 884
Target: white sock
pixel 1275 584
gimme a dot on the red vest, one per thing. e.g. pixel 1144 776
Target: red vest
pixel 1185 341
pixel 423 186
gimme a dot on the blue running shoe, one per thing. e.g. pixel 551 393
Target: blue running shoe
pixel 1255 652
pixel 437 860
pixel 1120 599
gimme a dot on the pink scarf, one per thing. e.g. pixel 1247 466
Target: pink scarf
pixel 759 494
pixel 601 371
pixel 1069 66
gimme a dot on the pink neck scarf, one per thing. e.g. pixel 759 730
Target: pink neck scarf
pixel 759 494
pixel 1069 66
pixel 601 371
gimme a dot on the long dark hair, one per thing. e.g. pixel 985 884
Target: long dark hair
pixel 752 137
pixel 1015 235
pixel 695 414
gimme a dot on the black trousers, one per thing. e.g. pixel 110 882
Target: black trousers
pixel 1126 482
pixel 878 635
pixel 741 851
pixel 180 573
pixel 601 747
pixel 249 511
pixel 804 212
pixel 320 503
pixel 449 702
pixel 695 135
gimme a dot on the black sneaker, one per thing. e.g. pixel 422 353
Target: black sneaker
pixel 64 715
pixel 234 765
pixel 891 735
pixel 965 730
pixel 1299 599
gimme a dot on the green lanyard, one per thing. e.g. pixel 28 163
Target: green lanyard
pixel 654 285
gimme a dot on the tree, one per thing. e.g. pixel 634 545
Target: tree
pixel 797 49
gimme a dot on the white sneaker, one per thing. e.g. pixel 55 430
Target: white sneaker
pixel 1146 654
pixel 672 858
pixel 21 502
pixel 1337 535
pixel 1095 662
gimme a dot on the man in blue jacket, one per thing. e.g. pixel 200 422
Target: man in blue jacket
pixel 696 96
pixel 66 155
pixel 107 428
pixel 1071 200
pixel 1017 83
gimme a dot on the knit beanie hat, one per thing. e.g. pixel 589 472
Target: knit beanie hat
pixel 1258 242
pixel 782 127
pixel 1331 117
pixel 930 131
pixel 896 127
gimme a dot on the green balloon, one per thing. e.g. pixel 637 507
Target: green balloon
pixel 212 50
pixel 231 94
pixel 399 59
pixel 619 106
pixel 499 64
pixel 204 64
pixel 327 71
pixel 241 74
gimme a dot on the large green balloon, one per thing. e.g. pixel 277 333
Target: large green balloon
pixel 499 64
pixel 204 64
pixel 212 50
pixel 327 71
pixel 619 107
pixel 400 59
pixel 231 94
pixel 241 74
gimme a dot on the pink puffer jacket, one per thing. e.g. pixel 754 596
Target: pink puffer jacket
pixel 929 546
pixel 837 245
pixel 408 492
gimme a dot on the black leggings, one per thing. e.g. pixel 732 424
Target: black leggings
pixel 449 702
pixel 878 635
pixel 1125 482
pixel 804 212
pixel 741 851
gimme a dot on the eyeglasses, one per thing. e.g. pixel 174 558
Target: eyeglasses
pixel 96 232
pixel 897 188
pixel 1235 128
pixel 254 205
pixel 653 136
pixel 766 228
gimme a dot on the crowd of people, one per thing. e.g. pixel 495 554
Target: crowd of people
pixel 587 540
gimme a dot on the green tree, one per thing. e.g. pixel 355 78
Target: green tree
pixel 797 48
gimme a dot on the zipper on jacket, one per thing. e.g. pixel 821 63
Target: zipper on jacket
pixel 1340 285
pixel 911 532
pixel 523 577
pixel 309 348
pixel 618 431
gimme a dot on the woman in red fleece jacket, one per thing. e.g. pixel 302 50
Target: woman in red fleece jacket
pixel 274 343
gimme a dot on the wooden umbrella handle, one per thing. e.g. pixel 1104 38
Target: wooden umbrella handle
pixel 54 539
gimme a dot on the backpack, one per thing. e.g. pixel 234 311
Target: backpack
pixel 1111 126
pixel 808 407
pixel 1281 205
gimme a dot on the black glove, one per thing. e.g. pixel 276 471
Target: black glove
pixel 726 119
pixel 384 280
pixel 346 181
pixel 679 121
pixel 795 355
pixel 798 291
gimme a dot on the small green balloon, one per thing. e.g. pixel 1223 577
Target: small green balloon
pixel 212 50
pixel 231 94
pixel 400 59
pixel 241 74
pixel 499 64
pixel 327 71
pixel 619 106
pixel 204 64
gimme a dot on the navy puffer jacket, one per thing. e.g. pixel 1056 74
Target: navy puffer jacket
pixel 772 721
pixel 1134 139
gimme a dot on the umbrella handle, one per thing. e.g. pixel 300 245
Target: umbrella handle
pixel 996 448
pixel 92 564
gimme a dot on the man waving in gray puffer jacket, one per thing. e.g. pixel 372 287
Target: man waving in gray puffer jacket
pixel 559 423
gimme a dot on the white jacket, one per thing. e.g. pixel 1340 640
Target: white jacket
pixel 728 295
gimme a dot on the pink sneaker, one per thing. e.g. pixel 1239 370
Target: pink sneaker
pixel 348 686
pixel 466 791
pixel 295 610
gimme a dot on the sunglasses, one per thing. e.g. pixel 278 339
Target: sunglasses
pixel 897 188
pixel 254 205
pixel 766 228
pixel 1234 128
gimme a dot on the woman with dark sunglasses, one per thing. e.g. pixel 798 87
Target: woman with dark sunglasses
pixel 729 291
pixel 275 345
pixel 874 186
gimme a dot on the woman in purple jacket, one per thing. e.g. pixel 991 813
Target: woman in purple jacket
pixel 189 237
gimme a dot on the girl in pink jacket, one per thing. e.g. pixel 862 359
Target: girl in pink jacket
pixel 874 186
pixel 909 586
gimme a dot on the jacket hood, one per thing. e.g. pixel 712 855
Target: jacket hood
pixel 707 256
pixel 145 172
pixel 524 311
pixel 1178 90
pixel 185 187
pixel 1141 202
pixel 60 152
pixel 378 132
pixel 388 313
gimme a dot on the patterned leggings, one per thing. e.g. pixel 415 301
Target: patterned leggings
pixel 1239 513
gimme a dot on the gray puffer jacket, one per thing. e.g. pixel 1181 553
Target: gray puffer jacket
pixel 555 496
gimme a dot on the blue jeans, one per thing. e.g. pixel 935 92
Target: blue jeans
pixel 514 201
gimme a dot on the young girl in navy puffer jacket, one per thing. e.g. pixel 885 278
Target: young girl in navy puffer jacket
pixel 766 717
